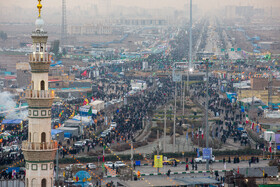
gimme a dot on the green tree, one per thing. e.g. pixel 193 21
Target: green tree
pixel 64 52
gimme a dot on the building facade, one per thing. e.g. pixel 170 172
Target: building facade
pixel 39 150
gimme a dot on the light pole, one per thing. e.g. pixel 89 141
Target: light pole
pixel 206 108
pixel 164 139
pixel 190 47
pixel 174 118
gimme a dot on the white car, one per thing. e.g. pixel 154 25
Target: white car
pixel 79 166
pixel 109 164
pixel 7 149
pixel 78 144
pixel 119 164
pixel 114 124
pixel 91 166
pixel 201 160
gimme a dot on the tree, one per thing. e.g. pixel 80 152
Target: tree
pixel 3 35
pixel 64 52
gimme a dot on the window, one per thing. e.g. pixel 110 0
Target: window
pixel 44 167
pixel 42 85
pixel 34 167
pixel 43 137
pixel 44 183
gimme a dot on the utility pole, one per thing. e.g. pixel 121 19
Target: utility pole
pixel 164 138
pixel 158 148
pixel 131 152
pixel 184 101
pixel 181 100
pixel 56 174
pixel 206 108
pixel 190 47
pixel 174 118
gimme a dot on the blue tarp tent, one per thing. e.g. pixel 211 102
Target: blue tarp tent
pixel 232 97
pixel 11 121
pixel 67 135
pixel 56 131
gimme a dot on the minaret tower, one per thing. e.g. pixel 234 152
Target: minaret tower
pixel 39 150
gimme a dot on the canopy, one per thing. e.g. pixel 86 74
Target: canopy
pixel 11 121
pixel 56 131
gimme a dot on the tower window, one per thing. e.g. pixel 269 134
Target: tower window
pixel 43 137
pixel 44 183
pixel 42 85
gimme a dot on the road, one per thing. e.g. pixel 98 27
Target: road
pixel 148 170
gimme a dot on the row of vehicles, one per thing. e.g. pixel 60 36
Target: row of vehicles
pixel 108 131
pixel 200 159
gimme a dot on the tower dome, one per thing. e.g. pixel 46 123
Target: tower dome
pixel 39 23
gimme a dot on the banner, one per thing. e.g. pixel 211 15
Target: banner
pixel 158 161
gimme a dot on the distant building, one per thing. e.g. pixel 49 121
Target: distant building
pixel 98 29
pixel 23 74
pixel 262 83
pixel 142 22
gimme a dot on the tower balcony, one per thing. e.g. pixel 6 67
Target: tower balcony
pixel 39 98
pixel 39 152
pixel 34 146
pixel 40 62
pixel 39 94
pixel 39 57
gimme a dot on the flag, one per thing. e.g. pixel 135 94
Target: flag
pixel 197 150
pixel 270 149
pixel 90 111
pixel 84 73
pixel 202 135
pixel 85 102
pixel 253 125
pixel 238 170
pixel 263 173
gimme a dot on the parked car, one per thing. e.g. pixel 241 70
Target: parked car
pixel 109 164
pixel 7 149
pixel 119 164
pixel 114 124
pixel 170 161
pixel 80 166
pixel 91 166
pixel 201 159
pixel 103 135
pixel 78 144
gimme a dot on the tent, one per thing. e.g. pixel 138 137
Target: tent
pixel 11 121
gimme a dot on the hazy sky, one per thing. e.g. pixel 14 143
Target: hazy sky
pixel 141 3
pixel 23 11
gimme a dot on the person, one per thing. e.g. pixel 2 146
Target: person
pixel 113 166
pixel 249 163
pixel 187 167
pixel 168 172
pixel 134 165
pixel 224 160
pixel 138 174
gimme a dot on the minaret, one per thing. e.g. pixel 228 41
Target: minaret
pixel 39 150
